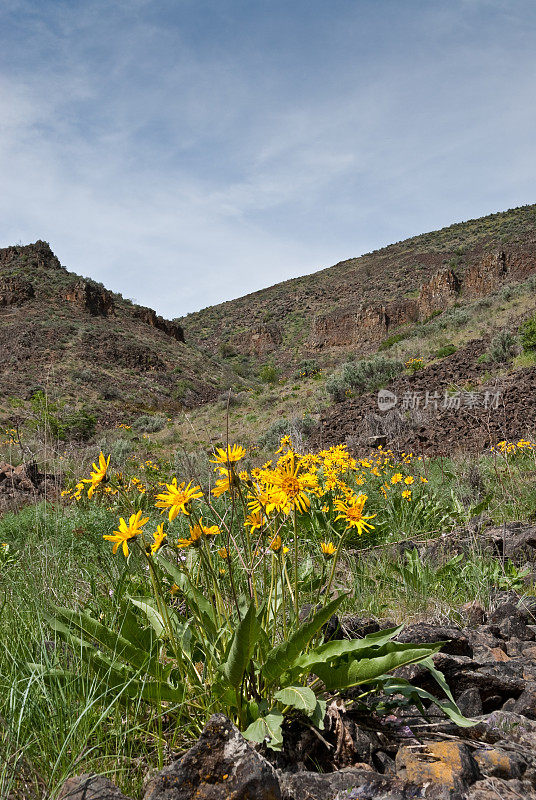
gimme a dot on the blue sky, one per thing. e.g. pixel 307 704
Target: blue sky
pixel 185 152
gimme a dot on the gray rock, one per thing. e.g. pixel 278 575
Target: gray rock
pixel 331 785
pixel 499 789
pixel 221 764
pixel 90 787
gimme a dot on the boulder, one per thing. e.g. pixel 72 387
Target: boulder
pixel 221 764
pixel 90 787
pixel 447 764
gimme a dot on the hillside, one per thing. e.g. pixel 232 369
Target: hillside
pixel 355 304
pixel 85 344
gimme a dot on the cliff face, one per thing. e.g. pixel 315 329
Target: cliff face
pixel 369 325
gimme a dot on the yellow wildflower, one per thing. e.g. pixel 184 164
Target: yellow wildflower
pixel 230 455
pixel 177 498
pixel 406 494
pixel 397 477
pixel 352 513
pixel 158 537
pixel 328 549
pixel 409 480
pixel 98 474
pixel 254 521
pixel 127 532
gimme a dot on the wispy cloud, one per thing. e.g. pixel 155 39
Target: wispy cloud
pixel 185 153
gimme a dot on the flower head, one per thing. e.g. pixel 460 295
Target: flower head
pixel 328 549
pixel 98 474
pixel 178 498
pixel 126 532
pixel 351 511
pixel 254 521
pixel 406 494
pixel 158 537
pixel 230 455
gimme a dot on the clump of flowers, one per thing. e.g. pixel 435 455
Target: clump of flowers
pixel 414 364
pixel 242 555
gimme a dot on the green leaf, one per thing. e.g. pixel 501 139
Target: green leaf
pixel 474 511
pixel 415 694
pixel 267 729
pixel 242 645
pixel 284 655
pixel 331 650
pixel 300 697
pixel 200 606
pixel 355 671
pixel 152 614
pixel 317 717
pixel 64 620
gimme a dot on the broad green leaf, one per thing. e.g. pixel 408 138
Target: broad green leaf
pixel 199 603
pixel 331 650
pixel 414 693
pixel 284 655
pixel 242 645
pixel 267 729
pixel 139 635
pixel 299 697
pixel 66 621
pixel 317 717
pixel 355 671
pixel 152 614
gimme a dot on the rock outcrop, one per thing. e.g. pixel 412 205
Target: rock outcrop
pixel 366 326
pixel 151 318
pixel 24 484
pixel 15 291
pixel 90 297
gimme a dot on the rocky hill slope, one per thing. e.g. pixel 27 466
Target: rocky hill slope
pixel 356 304
pixel 70 335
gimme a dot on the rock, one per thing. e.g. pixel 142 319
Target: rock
pixel 456 641
pixel 473 614
pixel 354 627
pixel 90 787
pixel 91 297
pixel 469 702
pixel 221 764
pixel 332 785
pixel 507 726
pixel 499 789
pixel 508 620
pixel 526 703
pixel 494 762
pixel 447 764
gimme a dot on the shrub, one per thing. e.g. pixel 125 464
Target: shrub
pixel 226 350
pixel 527 332
pixel 446 350
pixel 391 340
pixel 307 369
pixel 149 423
pixel 414 364
pixel 368 374
pixel 63 424
pixel 503 346
pixel 269 373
